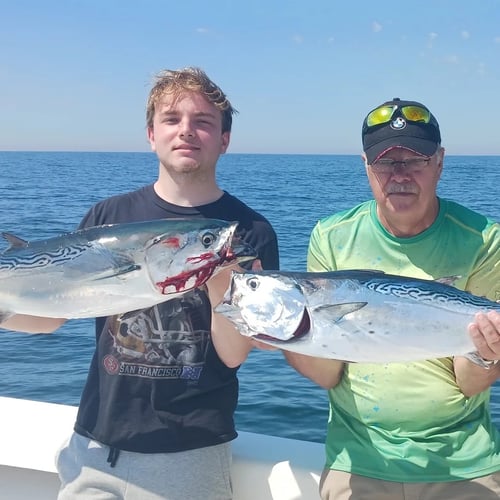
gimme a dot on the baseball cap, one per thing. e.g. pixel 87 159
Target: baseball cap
pixel 398 123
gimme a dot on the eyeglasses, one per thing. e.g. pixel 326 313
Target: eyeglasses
pixel 388 165
pixel 384 114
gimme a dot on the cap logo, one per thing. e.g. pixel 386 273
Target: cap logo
pixel 399 123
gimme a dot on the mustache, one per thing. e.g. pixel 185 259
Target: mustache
pixel 402 188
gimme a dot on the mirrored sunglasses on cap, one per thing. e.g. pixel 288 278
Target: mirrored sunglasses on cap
pixel 384 114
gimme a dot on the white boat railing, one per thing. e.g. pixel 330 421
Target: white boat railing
pixel 31 432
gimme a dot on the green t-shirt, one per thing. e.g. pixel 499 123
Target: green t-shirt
pixel 410 422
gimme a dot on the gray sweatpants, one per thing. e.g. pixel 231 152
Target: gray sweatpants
pixel 202 474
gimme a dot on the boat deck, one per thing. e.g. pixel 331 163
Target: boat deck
pixel 264 467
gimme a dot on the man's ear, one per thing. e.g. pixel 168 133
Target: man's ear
pixel 225 138
pixel 151 138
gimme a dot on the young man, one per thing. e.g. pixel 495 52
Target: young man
pixel 410 430
pixel 156 415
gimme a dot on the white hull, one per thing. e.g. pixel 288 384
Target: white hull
pixel 264 467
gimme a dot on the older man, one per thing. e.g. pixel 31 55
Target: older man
pixel 410 430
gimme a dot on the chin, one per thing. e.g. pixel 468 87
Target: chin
pixel 187 165
pixel 401 203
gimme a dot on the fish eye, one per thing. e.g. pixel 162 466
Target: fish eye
pixel 253 283
pixel 207 239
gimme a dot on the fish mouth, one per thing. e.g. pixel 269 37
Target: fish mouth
pixel 303 328
pixel 228 254
pixel 238 252
pixel 201 275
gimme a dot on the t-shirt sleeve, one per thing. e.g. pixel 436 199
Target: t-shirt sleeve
pixel 317 259
pixel 264 241
pixel 485 279
pixel 269 254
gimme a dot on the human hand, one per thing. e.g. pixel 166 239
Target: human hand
pixel 219 282
pixel 485 333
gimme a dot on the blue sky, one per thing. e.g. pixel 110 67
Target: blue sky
pixel 74 75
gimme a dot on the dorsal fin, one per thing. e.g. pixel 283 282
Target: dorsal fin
pixel 15 241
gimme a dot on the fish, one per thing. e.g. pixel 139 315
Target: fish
pixel 357 316
pixel 114 268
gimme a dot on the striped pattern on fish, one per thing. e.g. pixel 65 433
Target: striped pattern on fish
pixel 354 315
pixel 112 269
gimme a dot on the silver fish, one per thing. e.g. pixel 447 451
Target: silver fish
pixel 112 269
pixel 356 316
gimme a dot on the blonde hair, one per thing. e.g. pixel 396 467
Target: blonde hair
pixel 191 79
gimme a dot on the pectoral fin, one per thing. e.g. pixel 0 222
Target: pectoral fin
pixel 335 312
pixel 98 263
pixel 119 272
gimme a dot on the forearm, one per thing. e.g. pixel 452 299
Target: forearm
pixel 472 378
pixel 32 324
pixel 231 346
pixel 327 373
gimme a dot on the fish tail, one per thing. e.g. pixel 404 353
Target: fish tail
pixel 5 315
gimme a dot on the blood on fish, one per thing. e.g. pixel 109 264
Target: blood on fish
pixel 201 275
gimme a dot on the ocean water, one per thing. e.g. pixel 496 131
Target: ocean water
pixel 45 194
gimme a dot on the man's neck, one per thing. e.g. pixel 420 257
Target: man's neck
pixel 188 195
pixel 404 227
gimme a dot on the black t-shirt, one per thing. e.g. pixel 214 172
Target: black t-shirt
pixel 156 383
